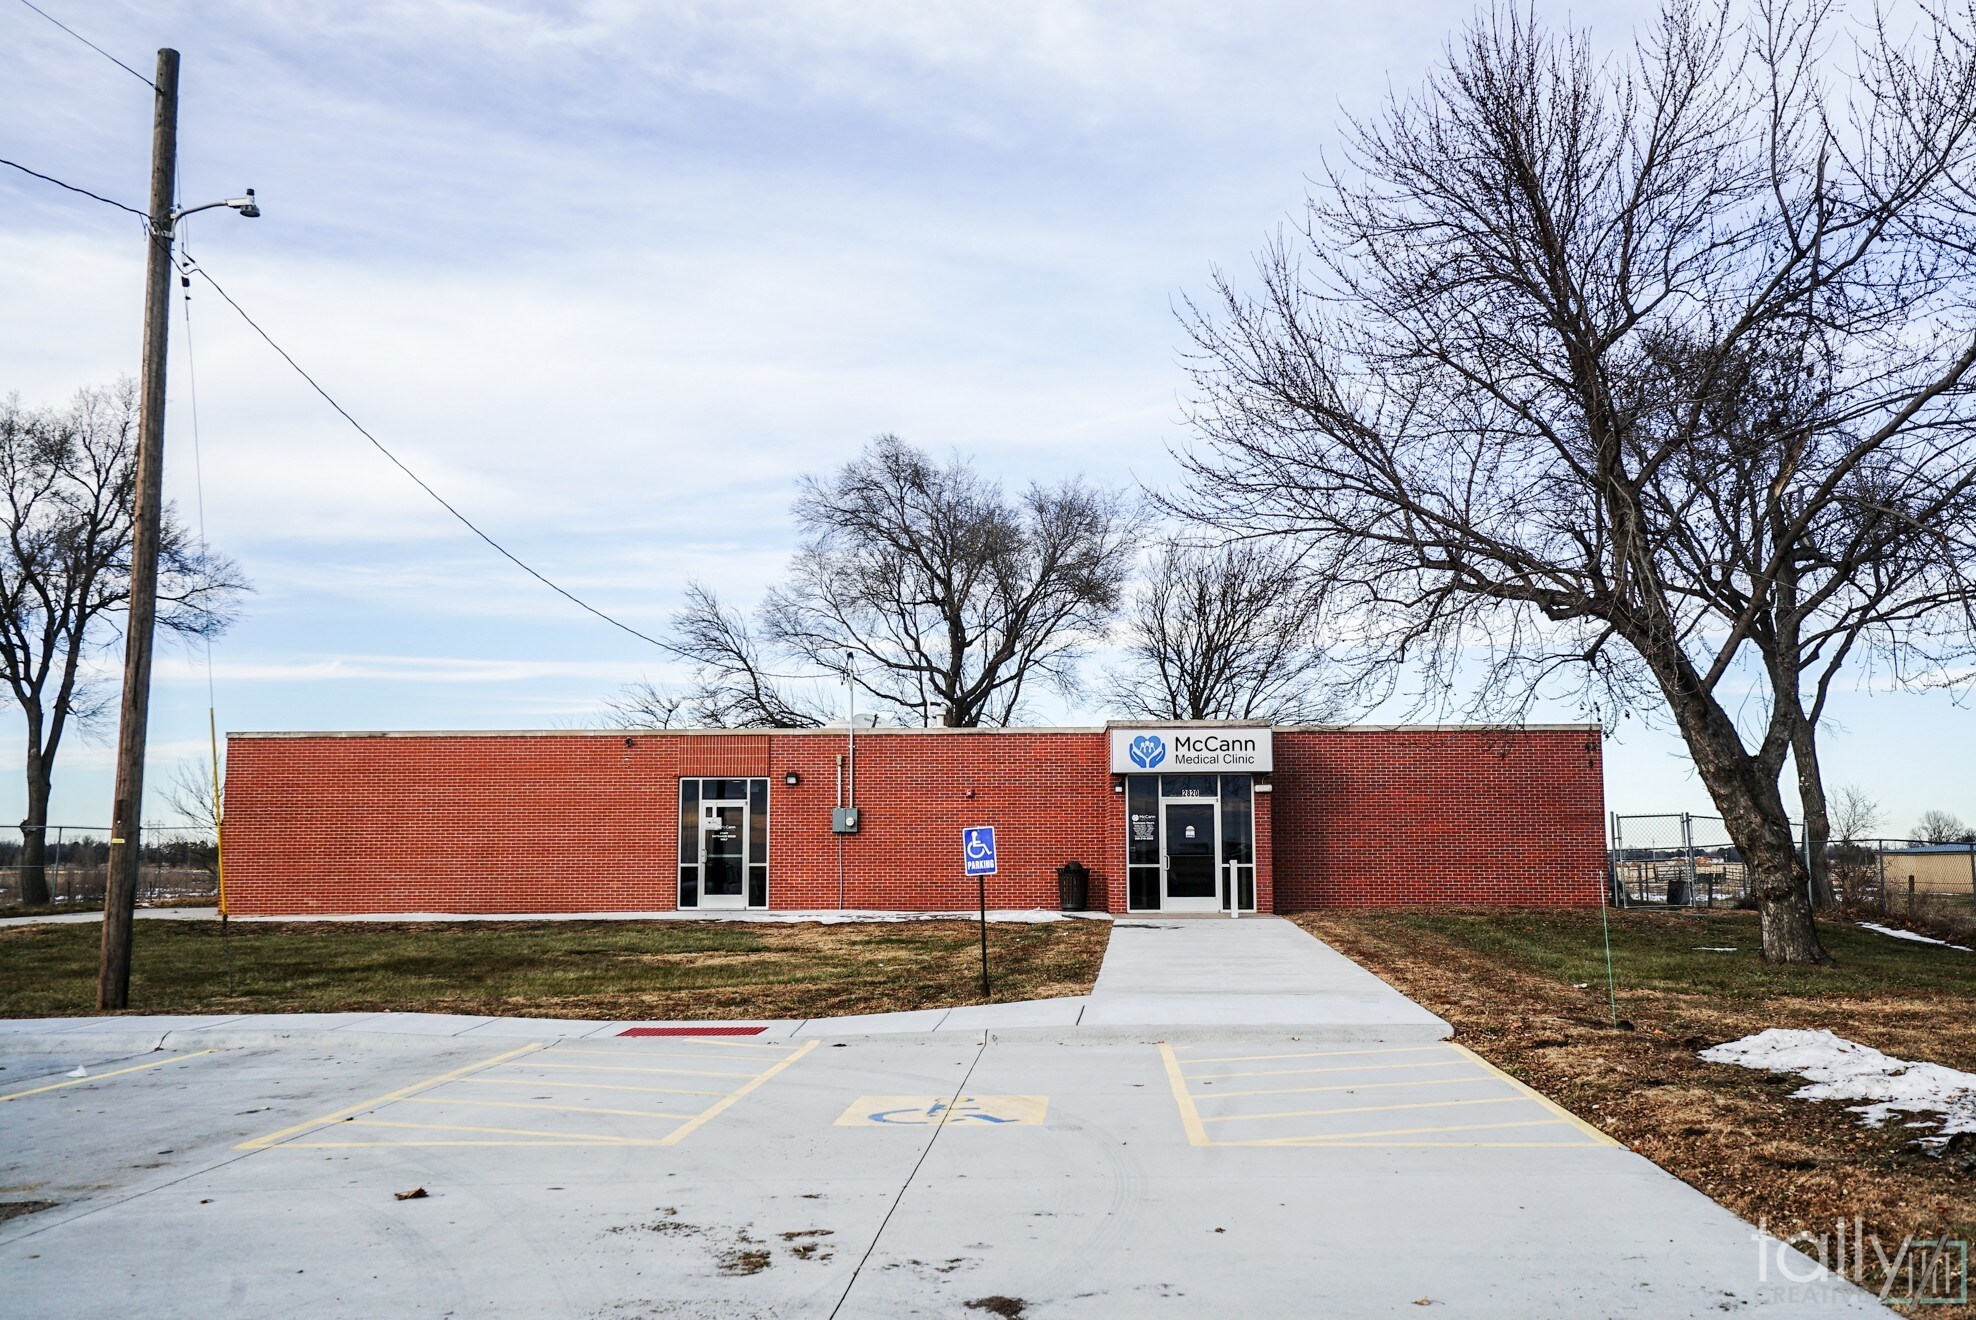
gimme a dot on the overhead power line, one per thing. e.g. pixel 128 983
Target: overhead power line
pixel 49 178
pixel 441 500
pixel 92 45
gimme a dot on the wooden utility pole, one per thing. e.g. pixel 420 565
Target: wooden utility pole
pixel 127 812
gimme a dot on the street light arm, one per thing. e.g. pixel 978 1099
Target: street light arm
pixel 247 207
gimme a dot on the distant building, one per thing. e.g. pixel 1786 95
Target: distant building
pixel 1936 868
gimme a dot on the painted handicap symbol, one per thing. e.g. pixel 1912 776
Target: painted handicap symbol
pixel 978 847
pixel 934 1110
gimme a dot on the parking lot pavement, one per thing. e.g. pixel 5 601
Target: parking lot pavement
pixel 675 1176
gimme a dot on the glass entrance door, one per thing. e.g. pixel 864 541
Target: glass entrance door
pixel 1192 880
pixel 724 854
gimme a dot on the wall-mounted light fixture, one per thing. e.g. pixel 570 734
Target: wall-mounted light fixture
pixel 630 742
pixel 791 778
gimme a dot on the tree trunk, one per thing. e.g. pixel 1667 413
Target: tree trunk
pixel 1753 812
pixel 1817 818
pixel 34 840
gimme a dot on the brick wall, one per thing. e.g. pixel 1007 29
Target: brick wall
pixel 577 821
pixel 1369 817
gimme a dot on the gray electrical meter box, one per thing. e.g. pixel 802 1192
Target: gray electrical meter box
pixel 844 820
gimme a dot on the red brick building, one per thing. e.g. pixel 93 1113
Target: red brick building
pixel 1169 817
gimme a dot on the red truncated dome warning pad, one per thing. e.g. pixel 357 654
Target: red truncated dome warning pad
pixel 692 1031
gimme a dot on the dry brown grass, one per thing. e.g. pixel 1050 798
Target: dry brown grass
pixel 600 969
pixel 1508 984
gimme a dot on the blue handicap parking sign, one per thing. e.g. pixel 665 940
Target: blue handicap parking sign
pixel 978 850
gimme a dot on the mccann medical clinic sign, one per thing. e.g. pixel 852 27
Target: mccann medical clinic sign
pixel 1181 750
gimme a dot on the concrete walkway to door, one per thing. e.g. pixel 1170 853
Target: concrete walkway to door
pixel 1260 974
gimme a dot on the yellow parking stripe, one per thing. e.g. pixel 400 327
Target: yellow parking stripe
pixel 600 1140
pixel 1602 1138
pixel 1190 1117
pixel 581 1086
pixel 720 1106
pixel 1397 1132
pixel 1349 1067
pixel 1317 1054
pixel 530 1104
pixel 1345 1086
pixel 1364 1109
pixel 1342 1068
pixel 527 1058
pixel 648 1051
pixel 377 1102
pixel 602 1067
pixel 419 1145
pixel 97 1077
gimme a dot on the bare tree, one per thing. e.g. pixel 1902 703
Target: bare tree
pixel 646 705
pixel 943 598
pixel 67 482
pixel 731 686
pixel 1855 816
pixel 1224 632
pixel 1485 396
pixel 1942 827
pixel 197 797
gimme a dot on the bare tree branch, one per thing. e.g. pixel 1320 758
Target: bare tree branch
pixel 67 480
pixel 1645 381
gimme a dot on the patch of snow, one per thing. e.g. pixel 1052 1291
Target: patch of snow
pixel 1840 1069
pixel 1900 934
pixel 1715 948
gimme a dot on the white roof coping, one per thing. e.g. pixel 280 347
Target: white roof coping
pixel 883 731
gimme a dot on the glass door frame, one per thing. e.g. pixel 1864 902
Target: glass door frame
pixel 1202 903
pixel 696 795
pixel 710 814
pixel 1145 800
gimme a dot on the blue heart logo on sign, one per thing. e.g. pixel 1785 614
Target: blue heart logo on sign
pixel 1147 751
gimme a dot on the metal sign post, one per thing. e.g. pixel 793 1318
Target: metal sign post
pixel 978 860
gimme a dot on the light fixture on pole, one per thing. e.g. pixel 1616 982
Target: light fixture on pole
pixel 127 809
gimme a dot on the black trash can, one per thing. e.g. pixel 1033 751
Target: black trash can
pixel 1073 886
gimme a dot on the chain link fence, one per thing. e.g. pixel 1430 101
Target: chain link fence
pixel 1685 861
pixel 175 865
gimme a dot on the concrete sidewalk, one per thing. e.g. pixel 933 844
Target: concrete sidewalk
pixel 1261 974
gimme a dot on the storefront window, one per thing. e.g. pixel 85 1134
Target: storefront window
pixel 1238 836
pixel 1142 841
pixel 758 843
pixel 689 842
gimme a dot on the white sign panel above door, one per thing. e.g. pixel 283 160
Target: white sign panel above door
pixel 1183 750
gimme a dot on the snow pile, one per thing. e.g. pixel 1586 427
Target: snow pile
pixel 1910 935
pixel 1840 1069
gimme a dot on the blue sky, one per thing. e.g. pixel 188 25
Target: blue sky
pixel 612 275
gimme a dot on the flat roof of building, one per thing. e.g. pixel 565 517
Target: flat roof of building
pixel 893 730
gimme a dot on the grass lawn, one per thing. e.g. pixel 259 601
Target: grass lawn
pixel 1527 991
pixel 578 969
